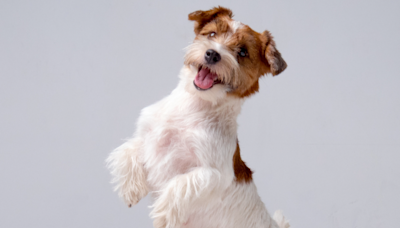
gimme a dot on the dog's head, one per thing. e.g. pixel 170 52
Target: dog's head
pixel 229 56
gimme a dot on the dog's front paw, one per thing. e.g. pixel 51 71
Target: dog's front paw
pixel 132 197
pixel 168 219
pixel 160 222
pixel 169 211
pixel 129 173
pixel 133 190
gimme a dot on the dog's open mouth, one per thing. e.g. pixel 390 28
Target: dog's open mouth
pixel 205 79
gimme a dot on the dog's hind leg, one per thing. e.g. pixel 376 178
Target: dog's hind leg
pixel 128 171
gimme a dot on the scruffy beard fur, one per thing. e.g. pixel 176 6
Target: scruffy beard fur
pixel 227 69
pixel 185 150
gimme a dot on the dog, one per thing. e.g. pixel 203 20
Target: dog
pixel 185 149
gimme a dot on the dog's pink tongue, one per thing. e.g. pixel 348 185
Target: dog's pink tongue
pixel 204 78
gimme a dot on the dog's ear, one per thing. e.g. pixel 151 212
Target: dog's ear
pixel 272 55
pixel 201 18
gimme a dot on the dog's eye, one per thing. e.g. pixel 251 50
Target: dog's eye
pixel 212 34
pixel 243 52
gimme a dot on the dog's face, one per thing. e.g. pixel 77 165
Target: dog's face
pixel 229 56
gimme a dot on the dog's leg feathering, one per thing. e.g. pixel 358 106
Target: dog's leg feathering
pixel 128 171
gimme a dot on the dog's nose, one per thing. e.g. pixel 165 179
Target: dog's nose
pixel 212 56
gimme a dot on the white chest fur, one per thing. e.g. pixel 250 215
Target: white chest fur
pixel 182 132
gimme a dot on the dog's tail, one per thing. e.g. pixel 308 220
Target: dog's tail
pixel 281 220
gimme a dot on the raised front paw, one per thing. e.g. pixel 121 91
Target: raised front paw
pixel 169 211
pixel 129 173
pixel 133 194
pixel 168 219
pixel 160 222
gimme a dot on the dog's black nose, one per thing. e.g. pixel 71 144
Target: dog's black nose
pixel 212 56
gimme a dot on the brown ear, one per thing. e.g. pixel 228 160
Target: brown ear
pixel 273 56
pixel 201 18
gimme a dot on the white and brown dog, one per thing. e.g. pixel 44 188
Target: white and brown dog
pixel 185 150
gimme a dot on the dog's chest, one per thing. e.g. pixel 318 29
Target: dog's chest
pixel 178 143
pixel 175 141
pixel 170 149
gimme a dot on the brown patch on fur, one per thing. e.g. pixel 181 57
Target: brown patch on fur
pixel 219 24
pixel 254 65
pixel 263 58
pixel 253 89
pixel 201 18
pixel 242 172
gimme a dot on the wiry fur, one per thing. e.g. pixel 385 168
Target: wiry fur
pixel 185 149
pixel 227 70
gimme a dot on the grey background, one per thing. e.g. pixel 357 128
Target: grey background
pixel 322 138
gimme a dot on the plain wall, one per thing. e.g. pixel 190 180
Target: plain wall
pixel 323 137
